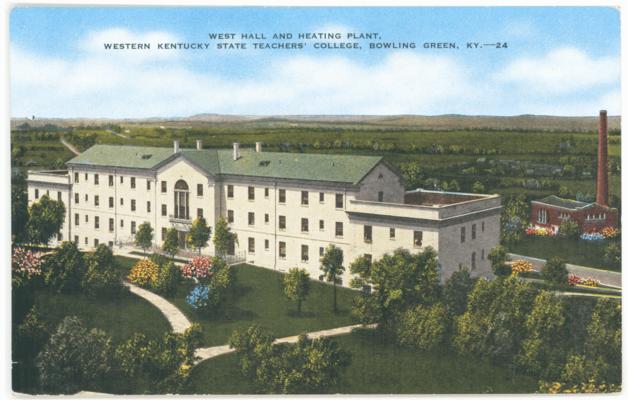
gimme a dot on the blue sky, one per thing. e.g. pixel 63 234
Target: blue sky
pixel 559 61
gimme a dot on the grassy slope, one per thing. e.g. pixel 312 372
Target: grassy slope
pixel 380 367
pixel 259 299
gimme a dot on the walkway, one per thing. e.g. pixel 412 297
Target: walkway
pixel 205 353
pixel 70 147
pixel 176 318
pixel 608 278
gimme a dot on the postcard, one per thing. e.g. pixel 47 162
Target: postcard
pixel 315 200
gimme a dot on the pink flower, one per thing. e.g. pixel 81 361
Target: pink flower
pixel 197 268
pixel 26 263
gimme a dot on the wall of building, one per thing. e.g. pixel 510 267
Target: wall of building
pixel 588 218
pixel 381 179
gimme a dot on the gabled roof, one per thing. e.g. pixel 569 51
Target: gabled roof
pixel 564 203
pixel 349 169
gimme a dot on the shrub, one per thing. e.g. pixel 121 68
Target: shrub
pixel 199 268
pixel 296 286
pixel 456 291
pixel 31 334
pixel 521 266
pixel 102 276
pixel 610 232
pixel 200 299
pixel 555 272
pixel 74 358
pixel 498 258
pixel 144 273
pixel 569 229
pixel 64 268
pixel 158 259
pixel 612 254
pixel 167 279
pixel 423 327
pixel 25 263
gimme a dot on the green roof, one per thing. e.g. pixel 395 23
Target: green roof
pixel 313 167
pixel 564 203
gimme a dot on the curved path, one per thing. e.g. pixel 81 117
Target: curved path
pixel 205 353
pixel 175 317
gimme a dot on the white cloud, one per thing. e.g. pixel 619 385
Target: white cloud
pixel 560 71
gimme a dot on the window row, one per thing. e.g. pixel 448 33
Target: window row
pixel 305 196
pixel 463 232
pixel 111 226
pixel 281 222
pixel 96 241
pixel 164 184
pixel 417 236
pixel 59 198
pixel 283 250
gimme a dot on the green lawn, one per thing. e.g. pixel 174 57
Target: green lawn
pixel 579 252
pixel 382 368
pixel 259 299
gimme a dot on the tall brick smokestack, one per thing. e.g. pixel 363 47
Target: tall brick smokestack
pixel 602 161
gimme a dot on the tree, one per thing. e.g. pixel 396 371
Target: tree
pixel 223 237
pixel 423 327
pixel 332 268
pixel 144 236
pixel 398 281
pixel 555 272
pixel 102 277
pixel 19 213
pixel 478 187
pixel 569 229
pixel 296 286
pixel 603 343
pixel 514 219
pixel 498 258
pixel 167 279
pixel 64 268
pixel 543 349
pixel 74 358
pixel 199 234
pixel 171 242
pixel 46 217
pixel 612 254
pixel 456 291
pixel 252 347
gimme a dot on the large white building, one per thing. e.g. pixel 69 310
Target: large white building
pixel 286 208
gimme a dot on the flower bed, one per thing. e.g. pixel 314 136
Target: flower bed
pixel 199 268
pixel 26 263
pixel 610 232
pixel 144 273
pixel 592 236
pixel 576 280
pixel 539 231
pixel 521 266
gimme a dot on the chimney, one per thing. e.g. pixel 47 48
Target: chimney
pixel 602 161
pixel 175 145
pixel 199 144
pixel 236 151
pixel 258 147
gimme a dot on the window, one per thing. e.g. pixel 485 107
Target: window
pixel 76 197
pixel 76 177
pixel 305 198
pixel 339 229
pixel 97 200
pixel 473 261
pixel 147 184
pixel 164 231
pixel 251 218
pixel 164 186
pixel 97 222
pixel 305 256
pixel 418 238
pixel 230 191
pixel 321 251
pixel 542 216
pixel 181 200
pixel 96 179
pixel 282 222
pixel 121 179
pixel 133 227
pixel 110 180
pixel 110 244
pixel 266 218
pixel 321 197
pixel 339 200
pixel 282 196
pixel 110 202
pixel 199 190
pixel 482 226
pixel 392 234
pixel 252 245
pixel 47 192
pixel 58 196
pixel 266 244
pixel 132 204
pixel 96 242
pixel 148 206
pixel 86 240
pixel 251 193
pixel 121 201
pixel 76 240
pixel 380 196
pixel 111 224
pixel 36 193
pixel 86 198
pixel 368 257
pixel 305 225
pixel 266 192
pixel 86 177
pixel 463 233
pixel 473 232
pixel 368 234
pixel 321 224
pixel 86 218
pixel 76 220
pixel 230 216
pixel 282 249
pixel 199 213
pixel 482 255
pixel 121 223
pixel 132 182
